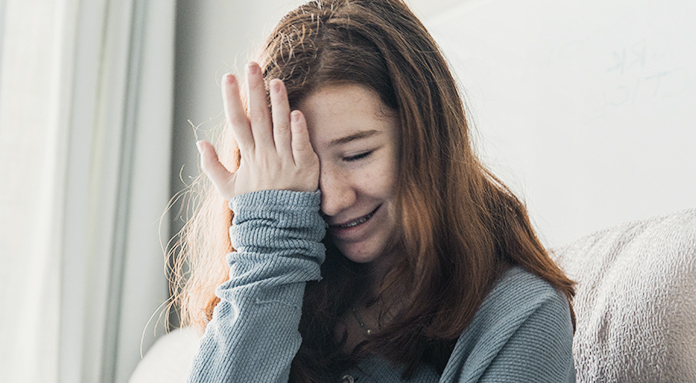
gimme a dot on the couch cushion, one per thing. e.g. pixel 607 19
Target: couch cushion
pixel 636 300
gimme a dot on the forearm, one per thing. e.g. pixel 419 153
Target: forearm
pixel 254 335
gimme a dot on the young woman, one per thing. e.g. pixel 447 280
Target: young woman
pixel 366 240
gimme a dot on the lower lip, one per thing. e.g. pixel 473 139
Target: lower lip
pixel 346 231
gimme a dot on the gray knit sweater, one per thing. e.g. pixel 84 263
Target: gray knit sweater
pixel 522 332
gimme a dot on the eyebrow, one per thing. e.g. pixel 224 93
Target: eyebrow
pixel 353 137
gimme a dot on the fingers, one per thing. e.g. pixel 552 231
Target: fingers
pixel 302 151
pixel 276 152
pixel 259 115
pixel 216 171
pixel 281 119
pixel 261 128
pixel 234 113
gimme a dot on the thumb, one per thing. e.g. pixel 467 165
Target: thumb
pixel 221 178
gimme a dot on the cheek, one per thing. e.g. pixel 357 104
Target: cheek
pixel 381 181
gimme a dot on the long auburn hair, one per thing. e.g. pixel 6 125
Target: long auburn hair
pixel 461 228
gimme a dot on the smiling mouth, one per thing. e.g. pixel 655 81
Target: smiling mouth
pixel 356 222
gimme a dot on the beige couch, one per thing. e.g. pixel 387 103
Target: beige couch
pixel 635 306
pixel 636 301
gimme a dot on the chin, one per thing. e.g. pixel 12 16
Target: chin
pixel 360 253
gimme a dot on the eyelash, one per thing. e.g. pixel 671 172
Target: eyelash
pixel 358 157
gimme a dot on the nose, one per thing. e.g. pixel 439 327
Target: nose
pixel 337 193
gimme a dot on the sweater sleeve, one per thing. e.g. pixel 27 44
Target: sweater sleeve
pixel 253 335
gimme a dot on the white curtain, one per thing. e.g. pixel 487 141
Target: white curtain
pixel 86 91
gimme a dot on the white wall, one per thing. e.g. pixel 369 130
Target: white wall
pixel 587 144
pixel 585 109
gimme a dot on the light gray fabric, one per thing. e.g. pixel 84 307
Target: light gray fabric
pixel 522 332
pixel 170 359
pixel 635 303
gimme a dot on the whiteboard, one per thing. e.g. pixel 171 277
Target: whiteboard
pixel 585 108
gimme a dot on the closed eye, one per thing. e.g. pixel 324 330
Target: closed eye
pixel 357 156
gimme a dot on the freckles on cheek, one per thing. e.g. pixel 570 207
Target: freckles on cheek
pixel 381 183
pixel 373 177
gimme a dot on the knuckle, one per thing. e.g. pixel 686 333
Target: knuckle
pixel 301 148
pixel 258 115
pixel 281 128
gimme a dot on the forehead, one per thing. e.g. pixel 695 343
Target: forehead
pixel 334 112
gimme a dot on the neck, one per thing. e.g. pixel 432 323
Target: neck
pixel 378 269
pixel 379 303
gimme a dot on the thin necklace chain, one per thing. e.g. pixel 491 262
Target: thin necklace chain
pixel 361 323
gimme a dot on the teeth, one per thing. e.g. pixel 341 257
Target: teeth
pixel 356 222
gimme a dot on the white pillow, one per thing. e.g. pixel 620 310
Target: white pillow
pixel 169 359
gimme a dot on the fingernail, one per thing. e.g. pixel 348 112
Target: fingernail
pixel 295 116
pixel 252 68
pixel 229 78
pixel 275 86
pixel 199 145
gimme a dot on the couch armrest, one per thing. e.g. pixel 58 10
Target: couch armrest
pixel 636 300
pixel 169 359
